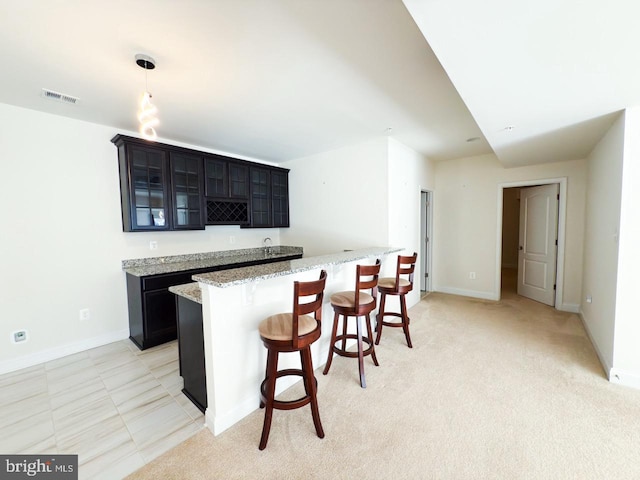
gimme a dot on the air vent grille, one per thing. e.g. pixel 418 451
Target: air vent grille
pixel 60 97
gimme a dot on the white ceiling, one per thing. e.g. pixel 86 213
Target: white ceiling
pixel 558 71
pixel 266 79
pixel 283 79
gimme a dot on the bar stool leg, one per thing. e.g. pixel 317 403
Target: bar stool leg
pixel 363 382
pixel 380 318
pixel 310 381
pixel 344 332
pixel 331 345
pixel 405 320
pixel 272 367
pixel 370 334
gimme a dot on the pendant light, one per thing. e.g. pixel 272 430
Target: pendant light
pixel 147 113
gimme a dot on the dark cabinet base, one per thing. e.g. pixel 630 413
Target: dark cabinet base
pixel 191 348
pixel 152 308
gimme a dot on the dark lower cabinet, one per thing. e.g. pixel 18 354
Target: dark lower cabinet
pixel 152 308
pixel 191 348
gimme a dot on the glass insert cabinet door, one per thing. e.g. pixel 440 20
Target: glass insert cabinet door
pixel 226 179
pixel 280 198
pixel 260 197
pixel 188 204
pixel 149 208
pixel 217 184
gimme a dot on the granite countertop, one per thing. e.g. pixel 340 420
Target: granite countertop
pixel 239 276
pixel 190 291
pixel 141 267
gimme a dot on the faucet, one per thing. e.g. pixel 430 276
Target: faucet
pixel 266 243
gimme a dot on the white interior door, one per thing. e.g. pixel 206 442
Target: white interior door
pixel 538 243
pixel 425 235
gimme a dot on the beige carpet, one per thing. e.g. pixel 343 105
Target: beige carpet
pixel 491 390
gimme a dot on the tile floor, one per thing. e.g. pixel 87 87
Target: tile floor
pixel 115 406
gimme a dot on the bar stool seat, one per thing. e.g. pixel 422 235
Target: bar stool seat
pixel 390 283
pixel 292 332
pixel 399 286
pixel 279 326
pixel 348 300
pixel 355 303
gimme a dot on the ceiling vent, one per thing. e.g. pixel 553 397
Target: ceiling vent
pixel 60 97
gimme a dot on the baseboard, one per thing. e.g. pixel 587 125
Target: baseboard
pixel 219 423
pixel 570 307
pixel 615 375
pixel 603 362
pixel 26 361
pixel 467 293
pixel 627 379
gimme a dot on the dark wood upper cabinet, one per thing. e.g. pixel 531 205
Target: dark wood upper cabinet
pixel 187 191
pixel 280 198
pixel 238 180
pixel 269 197
pixel 260 188
pixel 144 185
pixel 165 187
pixel 160 189
pixel 216 178
pixel 225 178
pixel 226 190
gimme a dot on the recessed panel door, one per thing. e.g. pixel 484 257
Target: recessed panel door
pixel 538 243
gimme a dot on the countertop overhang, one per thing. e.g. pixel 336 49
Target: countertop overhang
pixel 190 291
pixel 239 276
pixel 141 267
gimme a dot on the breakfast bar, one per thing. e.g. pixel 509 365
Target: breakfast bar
pixel 233 304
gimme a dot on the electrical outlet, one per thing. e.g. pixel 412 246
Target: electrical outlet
pixel 589 299
pixel 19 336
pixel 472 275
pixel 85 314
pixel 232 239
pixel 153 245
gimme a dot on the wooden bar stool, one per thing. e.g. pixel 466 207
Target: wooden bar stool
pixel 355 304
pixel 397 286
pixel 292 332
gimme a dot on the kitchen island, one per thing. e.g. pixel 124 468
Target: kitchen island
pixel 233 304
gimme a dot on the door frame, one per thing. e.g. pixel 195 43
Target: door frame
pixel 426 228
pixel 562 217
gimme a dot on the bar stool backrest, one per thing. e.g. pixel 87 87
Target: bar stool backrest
pixel 303 290
pixel 367 279
pixel 406 266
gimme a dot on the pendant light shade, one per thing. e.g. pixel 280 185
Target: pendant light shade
pixel 147 114
pixel 147 117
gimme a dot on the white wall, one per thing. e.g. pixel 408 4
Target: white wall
pixel 338 199
pixel 359 196
pixel 626 356
pixel 62 242
pixel 602 223
pixel 466 220
pixel 408 174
